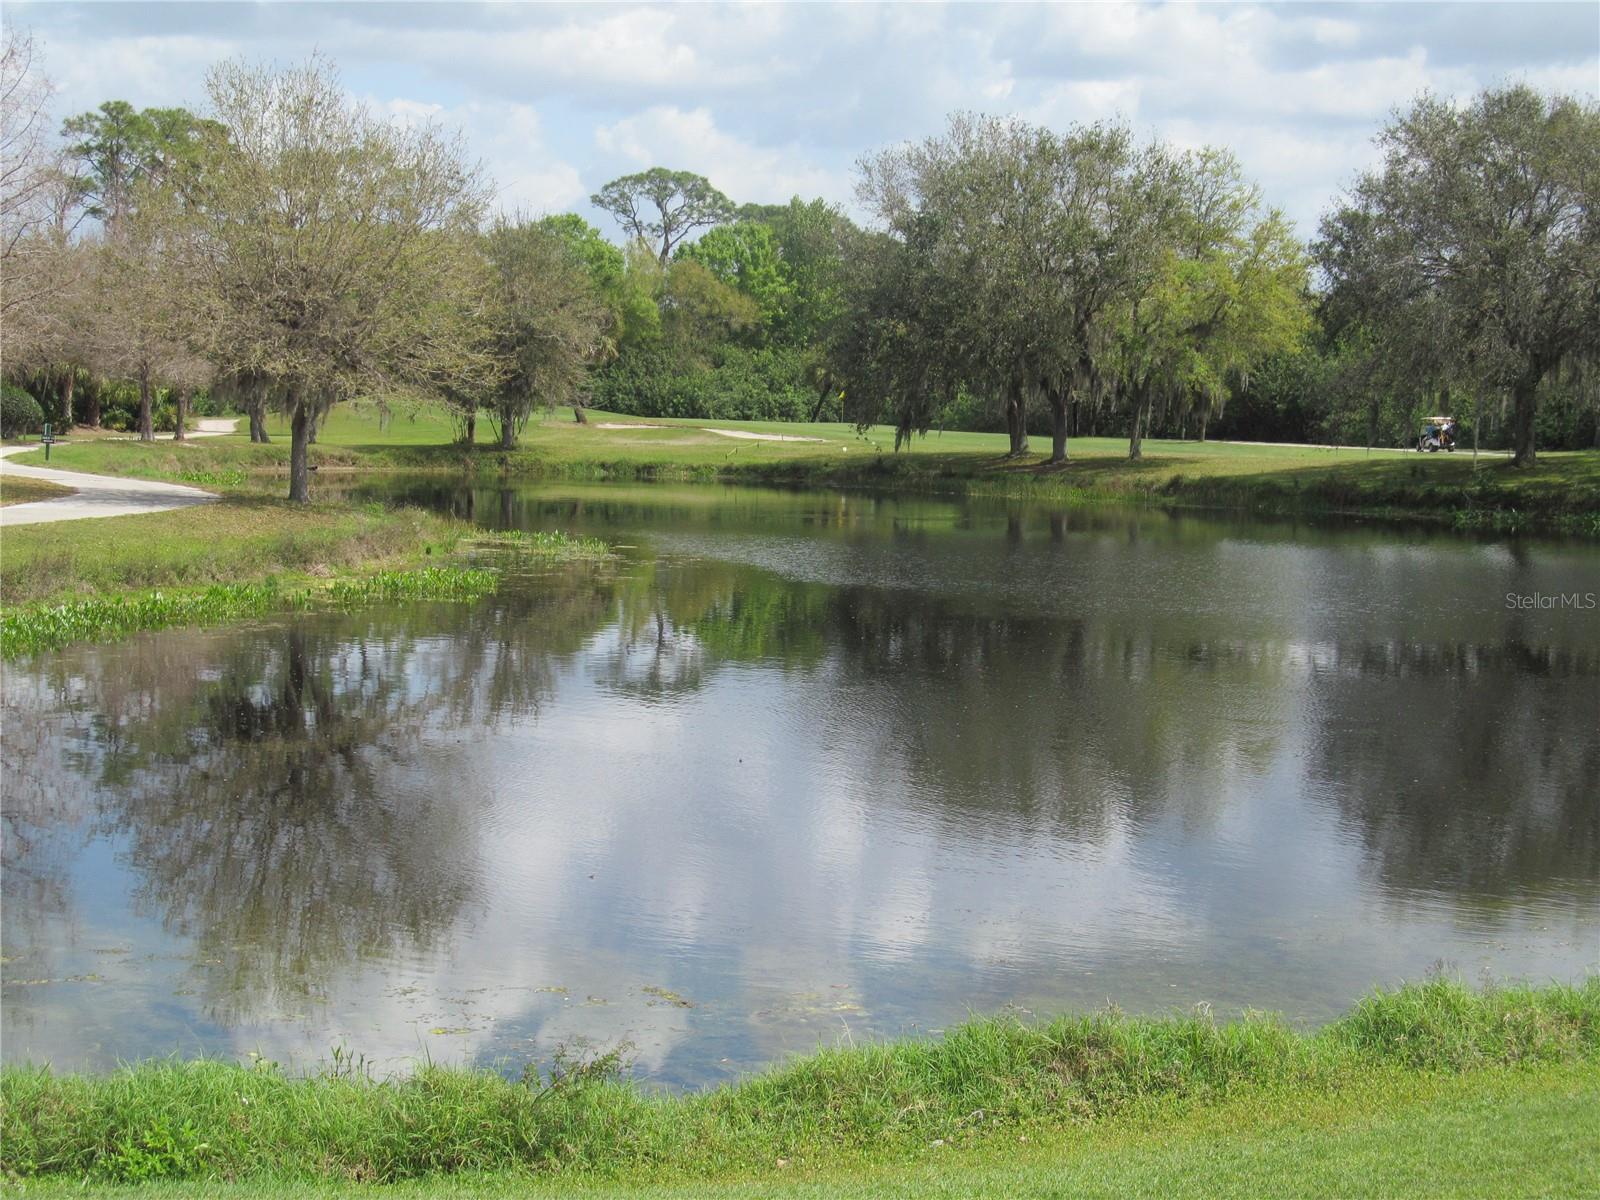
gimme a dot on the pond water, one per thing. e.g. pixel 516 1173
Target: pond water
pixel 803 767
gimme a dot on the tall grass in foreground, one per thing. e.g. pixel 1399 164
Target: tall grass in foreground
pixel 214 1120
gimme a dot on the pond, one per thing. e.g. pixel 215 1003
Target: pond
pixel 805 767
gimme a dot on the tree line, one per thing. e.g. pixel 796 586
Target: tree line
pixel 288 250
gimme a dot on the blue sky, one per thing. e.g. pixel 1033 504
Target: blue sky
pixel 774 100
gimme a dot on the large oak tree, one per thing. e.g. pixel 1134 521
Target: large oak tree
pixel 1475 244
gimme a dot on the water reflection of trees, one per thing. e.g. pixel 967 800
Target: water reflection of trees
pixel 1466 769
pixel 295 800
pixel 298 798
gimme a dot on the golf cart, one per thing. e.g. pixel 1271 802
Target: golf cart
pixel 1438 433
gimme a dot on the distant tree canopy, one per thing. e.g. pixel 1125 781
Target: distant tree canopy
pixel 661 207
pixel 1079 269
pixel 286 248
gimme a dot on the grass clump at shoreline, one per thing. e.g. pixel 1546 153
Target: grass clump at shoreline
pixel 48 627
pixel 543 543
pixel 987 1082
pixel 238 558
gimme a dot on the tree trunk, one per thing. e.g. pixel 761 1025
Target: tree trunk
pixel 1017 420
pixel 1058 413
pixel 93 415
pixel 1141 414
pixel 1477 420
pixel 822 398
pixel 1524 396
pixel 1205 417
pixel 577 415
pixel 255 408
pixel 67 385
pixel 180 400
pixel 299 443
pixel 471 427
pixel 312 421
pixel 147 432
pixel 508 431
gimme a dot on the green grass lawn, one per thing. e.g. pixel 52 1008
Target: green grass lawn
pixel 1562 492
pixel 239 538
pixel 15 489
pixel 1495 1134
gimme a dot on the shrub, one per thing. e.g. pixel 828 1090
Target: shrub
pixel 739 384
pixel 19 412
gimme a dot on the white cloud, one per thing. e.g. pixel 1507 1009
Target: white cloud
pixel 776 99
pixel 509 139
pixel 690 139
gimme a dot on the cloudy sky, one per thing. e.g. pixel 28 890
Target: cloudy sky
pixel 773 100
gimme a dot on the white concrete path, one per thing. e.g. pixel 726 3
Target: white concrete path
pixel 101 495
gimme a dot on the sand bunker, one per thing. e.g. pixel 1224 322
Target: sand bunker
pixel 763 437
pixel 744 434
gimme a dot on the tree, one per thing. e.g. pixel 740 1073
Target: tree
pixel 1228 289
pixel 700 311
pixel 662 207
pixel 108 145
pixel 600 258
pixel 1025 242
pixel 325 246
pixel 890 355
pixel 1475 242
pixel 547 319
pixel 32 240
pixel 815 239
pixel 968 206
pixel 118 148
pixel 142 329
pixel 746 256
pixel 1113 209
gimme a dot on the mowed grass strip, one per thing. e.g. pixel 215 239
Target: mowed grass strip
pixel 983 1087
pixel 1563 491
pixel 18 489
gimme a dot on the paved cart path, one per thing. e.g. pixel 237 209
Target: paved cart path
pixel 101 495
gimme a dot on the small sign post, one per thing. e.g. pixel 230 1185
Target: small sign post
pixel 48 438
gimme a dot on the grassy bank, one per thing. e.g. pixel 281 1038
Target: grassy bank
pixel 238 539
pixel 1493 1134
pixel 1563 492
pixel 33 628
pixel 869 1118
pixel 240 557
